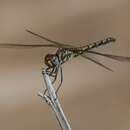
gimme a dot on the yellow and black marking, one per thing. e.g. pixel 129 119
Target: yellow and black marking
pixel 98 43
pixel 65 54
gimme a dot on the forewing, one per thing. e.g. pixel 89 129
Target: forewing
pixel 58 44
pixel 13 45
pixel 53 44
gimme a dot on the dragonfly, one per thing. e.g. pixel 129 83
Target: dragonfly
pixel 65 52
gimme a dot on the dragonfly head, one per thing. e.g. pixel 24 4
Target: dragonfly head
pixel 51 60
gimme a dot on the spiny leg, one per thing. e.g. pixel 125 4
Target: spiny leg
pixel 56 74
pixel 55 77
pixel 61 80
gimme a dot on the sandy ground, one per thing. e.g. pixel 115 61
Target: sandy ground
pixel 93 98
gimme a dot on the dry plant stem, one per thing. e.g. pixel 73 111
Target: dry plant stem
pixel 53 101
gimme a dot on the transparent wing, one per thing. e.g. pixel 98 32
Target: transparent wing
pixel 54 44
pixel 97 62
pixel 13 45
pixel 59 44
pixel 114 57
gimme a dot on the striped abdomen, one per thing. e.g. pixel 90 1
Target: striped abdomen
pixel 98 43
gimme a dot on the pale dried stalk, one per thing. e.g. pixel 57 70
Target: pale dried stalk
pixel 52 100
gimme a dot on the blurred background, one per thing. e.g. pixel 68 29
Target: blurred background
pixel 92 97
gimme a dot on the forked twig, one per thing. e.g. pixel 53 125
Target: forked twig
pixel 52 100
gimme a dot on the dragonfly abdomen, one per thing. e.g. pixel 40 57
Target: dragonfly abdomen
pixel 98 43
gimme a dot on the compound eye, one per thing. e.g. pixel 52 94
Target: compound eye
pixel 48 57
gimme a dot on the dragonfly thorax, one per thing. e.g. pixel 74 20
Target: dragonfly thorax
pixel 51 60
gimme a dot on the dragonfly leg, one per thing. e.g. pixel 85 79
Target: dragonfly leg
pixel 61 80
pixel 51 71
pixel 44 93
pixel 56 73
pixel 48 70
